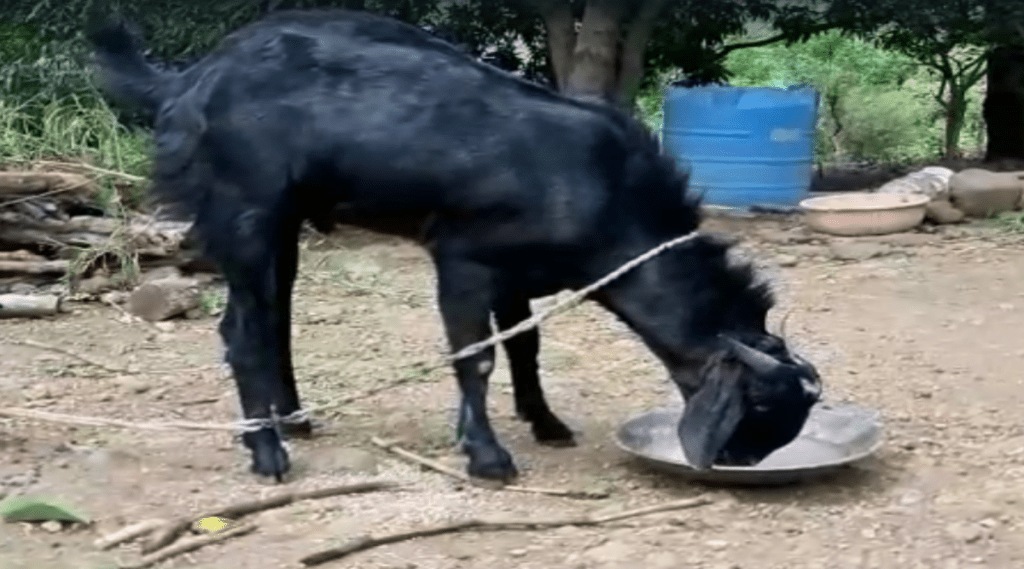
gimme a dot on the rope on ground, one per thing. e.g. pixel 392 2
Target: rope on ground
pixel 302 415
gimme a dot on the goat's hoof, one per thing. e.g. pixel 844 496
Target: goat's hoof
pixel 269 458
pixel 550 431
pixel 492 463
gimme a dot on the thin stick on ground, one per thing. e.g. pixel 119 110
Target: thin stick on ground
pixel 165 535
pixel 370 542
pixel 86 421
pixel 73 355
pixel 438 467
pixel 128 533
pixel 94 362
pixel 190 545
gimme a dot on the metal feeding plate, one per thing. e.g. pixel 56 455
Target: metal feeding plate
pixel 833 436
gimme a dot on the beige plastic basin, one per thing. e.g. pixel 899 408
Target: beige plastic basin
pixel 864 213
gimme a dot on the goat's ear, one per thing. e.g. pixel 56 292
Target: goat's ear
pixel 711 414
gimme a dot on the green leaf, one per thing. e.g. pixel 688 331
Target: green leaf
pixel 37 509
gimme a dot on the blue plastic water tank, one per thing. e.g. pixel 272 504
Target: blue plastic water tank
pixel 745 146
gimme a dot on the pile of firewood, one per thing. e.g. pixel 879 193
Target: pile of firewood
pixel 53 232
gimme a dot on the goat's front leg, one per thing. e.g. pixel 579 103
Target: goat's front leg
pixel 464 295
pixel 522 350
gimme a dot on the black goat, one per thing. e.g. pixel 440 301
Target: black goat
pixel 517 192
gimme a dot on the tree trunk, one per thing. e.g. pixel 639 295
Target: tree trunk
pixel 561 28
pixel 956 111
pixel 634 45
pixel 1003 108
pixel 595 60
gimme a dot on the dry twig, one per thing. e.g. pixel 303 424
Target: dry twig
pixel 438 467
pixel 128 533
pixel 73 355
pixel 370 542
pixel 169 532
pixel 94 362
pixel 50 417
pixel 189 545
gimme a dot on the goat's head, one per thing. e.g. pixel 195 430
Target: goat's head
pixel 754 397
pixel 747 393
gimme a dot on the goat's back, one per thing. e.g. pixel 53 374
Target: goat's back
pixel 383 117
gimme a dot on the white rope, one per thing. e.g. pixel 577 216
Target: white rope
pixel 302 415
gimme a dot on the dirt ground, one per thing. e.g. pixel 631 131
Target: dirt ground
pixel 923 326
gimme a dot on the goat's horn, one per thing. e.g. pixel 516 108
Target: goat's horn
pixel 783 322
pixel 758 361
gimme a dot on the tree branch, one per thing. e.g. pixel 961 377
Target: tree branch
pixel 631 71
pixel 727 49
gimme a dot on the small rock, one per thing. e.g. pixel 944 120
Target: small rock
pixel 988 523
pixel 868 533
pixel 942 212
pixel 857 250
pixel 717 544
pixel 22 288
pixel 517 553
pixel 964 532
pixel 164 326
pixel 135 385
pixel 52 526
pixel 95 284
pixel 788 261
pixel 114 297
pixel 195 314
pixel 911 497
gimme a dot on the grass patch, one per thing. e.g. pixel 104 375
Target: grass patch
pixel 1010 221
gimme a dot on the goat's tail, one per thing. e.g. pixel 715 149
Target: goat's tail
pixel 124 73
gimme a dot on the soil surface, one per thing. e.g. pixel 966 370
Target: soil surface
pixel 923 326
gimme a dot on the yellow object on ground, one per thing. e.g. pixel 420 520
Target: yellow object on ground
pixel 210 525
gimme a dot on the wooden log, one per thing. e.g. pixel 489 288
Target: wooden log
pixel 31 183
pixel 20 255
pixel 34 267
pixel 164 298
pixel 24 306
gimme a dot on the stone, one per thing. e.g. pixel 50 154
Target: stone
pixel 717 544
pixel 787 261
pixel 982 193
pixel 52 526
pixel 942 212
pixel 857 250
pixel 967 533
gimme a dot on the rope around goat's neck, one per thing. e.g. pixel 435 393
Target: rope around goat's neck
pixel 568 302
pixel 303 415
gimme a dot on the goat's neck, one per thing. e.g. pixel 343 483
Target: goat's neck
pixel 662 313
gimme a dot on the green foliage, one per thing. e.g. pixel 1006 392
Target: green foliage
pixel 876 104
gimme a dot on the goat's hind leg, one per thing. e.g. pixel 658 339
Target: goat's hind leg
pixel 287 265
pixel 251 329
pixel 522 351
